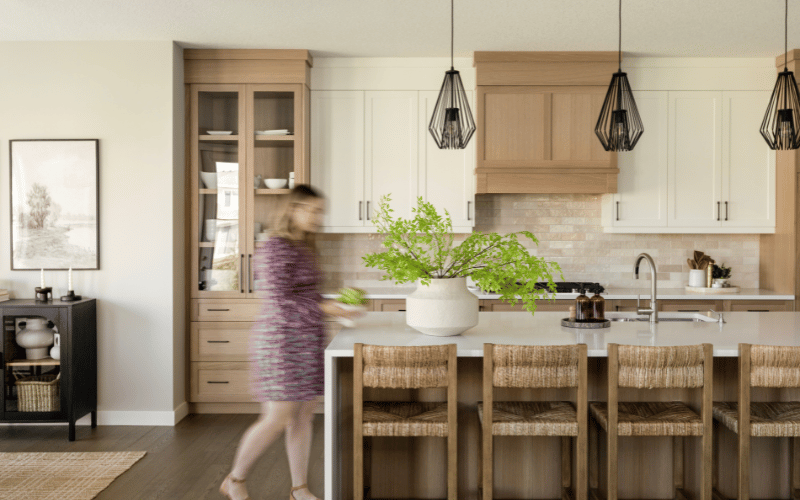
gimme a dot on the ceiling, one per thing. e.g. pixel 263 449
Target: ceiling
pixel 417 28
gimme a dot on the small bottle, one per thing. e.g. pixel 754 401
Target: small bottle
pixel 572 313
pixel 598 307
pixel 583 307
pixel 710 274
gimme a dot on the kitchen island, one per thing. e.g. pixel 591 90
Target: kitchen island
pixel 529 467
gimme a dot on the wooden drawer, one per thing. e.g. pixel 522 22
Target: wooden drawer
pixel 225 310
pixel 624 305
pixel 220 382
pixel 760 306
pixel 492 305
pixel 686 305
pixel 212 341
pixel 389 305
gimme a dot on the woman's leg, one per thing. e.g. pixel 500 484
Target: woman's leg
pixel 298 447
pixel 275 417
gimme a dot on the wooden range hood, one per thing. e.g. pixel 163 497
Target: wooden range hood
pixel 536 113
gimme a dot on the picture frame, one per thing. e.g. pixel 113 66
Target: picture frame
pixel 55 198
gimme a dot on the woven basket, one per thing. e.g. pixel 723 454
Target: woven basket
pixel 39 393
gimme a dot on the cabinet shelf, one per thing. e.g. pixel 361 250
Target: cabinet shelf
pixel 219 138
pixel 208 191
pixel 273 191
pixel 34 362
pixel 275 138
pixel 206 244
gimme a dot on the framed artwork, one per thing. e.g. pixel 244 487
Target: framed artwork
pixel 54 204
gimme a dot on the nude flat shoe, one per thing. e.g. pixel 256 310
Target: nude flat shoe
pixel 291 493
pixel 223 488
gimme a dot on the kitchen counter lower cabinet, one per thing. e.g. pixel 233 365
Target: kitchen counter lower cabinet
pixel 76 370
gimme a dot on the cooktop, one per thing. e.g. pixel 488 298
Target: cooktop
pixel 571 286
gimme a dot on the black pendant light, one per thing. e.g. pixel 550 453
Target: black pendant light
pixel 619 126
pixel 779 127
pixel 452 125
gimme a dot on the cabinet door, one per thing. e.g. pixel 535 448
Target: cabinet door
pixel 391 124
pixel 447 176
pixel 219 186
pixel 641 199
pixel 516 126
pixel 748 188
pixel 695 160
pixel 337 156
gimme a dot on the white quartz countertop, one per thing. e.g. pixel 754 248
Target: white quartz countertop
pixel 544 328
pixel 610 294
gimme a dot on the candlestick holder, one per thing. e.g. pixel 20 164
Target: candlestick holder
pixel 44 294
pixel 70 297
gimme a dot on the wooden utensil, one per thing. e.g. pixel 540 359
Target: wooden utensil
pixel 691 263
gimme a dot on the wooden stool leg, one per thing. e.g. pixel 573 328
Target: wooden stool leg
pixel 566 467
pixel 581 445
pixel 715 458
pixel 358 466
pixel 594 456
pixel 794 452
pixel 707 467
pixel 743 478
pixel 677 466
pixel 612 454
pixel 452 466
pixel 367 484
pixel 487 465
pixel 480 461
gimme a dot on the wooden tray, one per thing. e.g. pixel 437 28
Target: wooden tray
pixel 585 324
pixel 717 291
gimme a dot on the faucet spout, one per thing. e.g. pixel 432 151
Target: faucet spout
pixel 653 310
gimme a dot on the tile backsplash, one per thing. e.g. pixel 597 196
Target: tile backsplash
pixel 569 233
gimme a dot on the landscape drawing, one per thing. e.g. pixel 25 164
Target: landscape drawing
pixel 54 195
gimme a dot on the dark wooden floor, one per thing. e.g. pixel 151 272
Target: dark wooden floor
pixel 185 462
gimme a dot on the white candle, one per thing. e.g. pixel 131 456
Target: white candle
pixel 69 287
pixel 41 285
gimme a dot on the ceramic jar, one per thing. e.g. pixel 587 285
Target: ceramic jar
pixel 444 308
pixel 697 278
pixel 36 336
pixel 55 351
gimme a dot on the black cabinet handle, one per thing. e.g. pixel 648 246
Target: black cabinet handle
pixel 717 210
pixel 617 210
pixel 360 217
pixel 367 210
pixel 217 382
pixel 218 341
pixel 250 272
pixel 241 273
pixel 468 203
pixel 218 309
pixel 758 310
pixel 726 210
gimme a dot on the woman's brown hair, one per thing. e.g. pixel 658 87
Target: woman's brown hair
pixel 282 224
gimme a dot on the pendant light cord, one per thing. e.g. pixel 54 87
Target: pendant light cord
pixel 452 30
pixel 786 38
pixel 620 37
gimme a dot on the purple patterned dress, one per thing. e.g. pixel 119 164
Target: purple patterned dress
pixel 287 341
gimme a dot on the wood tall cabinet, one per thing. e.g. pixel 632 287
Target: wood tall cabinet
pixel 536 113
pixel 235 98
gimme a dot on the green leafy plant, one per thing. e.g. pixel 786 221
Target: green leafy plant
pixel 721 272
pixel 352 296
pixel 422 248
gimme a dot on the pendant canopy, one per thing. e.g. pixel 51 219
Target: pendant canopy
pixel 619 126
pixel 452 125
pixel 780 126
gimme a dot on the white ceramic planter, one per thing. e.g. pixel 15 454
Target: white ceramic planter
pixel 444 308
pixel 697 277
pixel 35 337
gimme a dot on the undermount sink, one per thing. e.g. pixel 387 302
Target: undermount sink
pixel 662 317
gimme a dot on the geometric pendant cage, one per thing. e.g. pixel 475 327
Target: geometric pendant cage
pixel 780 126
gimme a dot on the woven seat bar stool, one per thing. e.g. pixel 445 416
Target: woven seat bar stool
pixel 535 367
pixel 763 366
pixel 404 367
pixel 646 367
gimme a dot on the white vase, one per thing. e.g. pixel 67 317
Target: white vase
pixel 444 308
pixel 697 278
pixel 55 351
pixel 35 337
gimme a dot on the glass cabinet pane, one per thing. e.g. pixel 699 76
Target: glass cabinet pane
pixel 32 381
pixel 218 113
pixel 273 115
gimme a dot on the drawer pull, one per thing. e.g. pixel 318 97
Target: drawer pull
pixel 688 310
pixel 218 341
pixel 217 382
pixel 758 310
pixel 217 310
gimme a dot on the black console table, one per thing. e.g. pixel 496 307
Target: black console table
pixel 77 368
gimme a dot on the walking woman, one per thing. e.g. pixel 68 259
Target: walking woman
pixel 287 343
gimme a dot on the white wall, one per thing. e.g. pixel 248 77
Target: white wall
pixel 127 95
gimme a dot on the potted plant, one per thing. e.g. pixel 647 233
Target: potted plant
pixel 422 250
pixel 721 275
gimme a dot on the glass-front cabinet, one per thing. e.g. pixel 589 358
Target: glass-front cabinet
pixel 248 149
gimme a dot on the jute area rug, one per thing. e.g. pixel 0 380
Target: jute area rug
pixel 61 476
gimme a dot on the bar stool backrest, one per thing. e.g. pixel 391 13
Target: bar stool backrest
pixel 659 367
pixel 536 366
pixel 772 366
pixel 405 367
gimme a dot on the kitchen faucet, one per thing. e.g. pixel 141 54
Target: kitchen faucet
pixel 653 311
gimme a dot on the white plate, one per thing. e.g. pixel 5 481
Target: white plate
pixel 219 132
pixel 272 132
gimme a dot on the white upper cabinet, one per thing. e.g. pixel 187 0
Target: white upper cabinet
pixel 447 177
pixel 641 199
pixel 748 182
pixel 695 159
pixel 719 172
pixel 391 150
pixel 337 156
